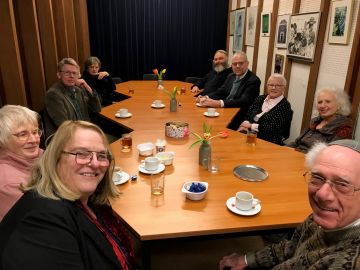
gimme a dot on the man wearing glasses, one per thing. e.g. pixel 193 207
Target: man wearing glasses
pixel 70 98
pixel 329 237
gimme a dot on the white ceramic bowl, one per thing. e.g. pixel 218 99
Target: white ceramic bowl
pixel 146 149
pixel 166 158
pixel 194 196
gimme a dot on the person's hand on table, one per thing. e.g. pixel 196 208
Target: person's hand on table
pixel 208 102
pixel 233 262
pixel 195 89
pixel 246 125
pixel 103 74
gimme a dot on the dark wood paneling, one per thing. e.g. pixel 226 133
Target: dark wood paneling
pixel 60 29
pixel 31 52
pixel 82 30
pixel 257 36
pixel 48 40
pixel 70 29
pixel 10 61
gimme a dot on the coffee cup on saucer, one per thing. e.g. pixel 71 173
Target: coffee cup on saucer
pixel 123 112
pixel 157 103
pixel 245 201
pixel 211 111
pixel 117 175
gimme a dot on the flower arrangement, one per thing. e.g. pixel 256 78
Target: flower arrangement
pixel 206 138
pixel 172 94
pixel 161 74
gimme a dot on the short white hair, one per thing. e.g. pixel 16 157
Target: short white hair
pixel 313 153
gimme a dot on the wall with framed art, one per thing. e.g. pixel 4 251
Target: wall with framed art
pixel 340 19
pixel 239 24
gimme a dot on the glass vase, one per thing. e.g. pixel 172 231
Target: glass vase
pixel 173 105
pixel 160 84
pixel 204 154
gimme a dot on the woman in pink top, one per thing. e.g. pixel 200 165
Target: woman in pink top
pixel 19 149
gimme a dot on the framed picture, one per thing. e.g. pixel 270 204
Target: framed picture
pixel 251 15
pixel 340 21
pixel 265 24
pixel 239 30
pixel 282 30
pixel 302 36
pixel 279 63
pixel 232 23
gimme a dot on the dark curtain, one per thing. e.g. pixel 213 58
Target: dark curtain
pixel 131 37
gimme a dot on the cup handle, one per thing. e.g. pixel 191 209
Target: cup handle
pixel 256 202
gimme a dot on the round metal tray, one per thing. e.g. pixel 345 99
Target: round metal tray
pixel 251 173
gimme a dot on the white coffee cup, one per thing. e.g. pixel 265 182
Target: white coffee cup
pixel 211 111
pixel 245 201
pixel 157 103
pixel 117 175
pixel 151 163
pixel 123 112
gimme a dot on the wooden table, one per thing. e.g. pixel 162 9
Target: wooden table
pixel 283 195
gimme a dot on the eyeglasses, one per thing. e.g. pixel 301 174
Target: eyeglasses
pixel 277 86
pixel 339 186
pixel 85 157
pixel 235 64
pixel 70 73
pixel 24 135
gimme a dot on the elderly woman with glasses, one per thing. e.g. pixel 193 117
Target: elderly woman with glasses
pixel 64 217
pixel 270 115
pixel 19 149
pixel 331 121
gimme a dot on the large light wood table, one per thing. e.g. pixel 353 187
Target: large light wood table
pixel 283 195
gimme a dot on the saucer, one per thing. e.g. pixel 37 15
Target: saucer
pixel 230 203
pixel 127 116
pixel 199 105
pixel 215 115
pixel 125 177
pixel 159 170
pixel 157 107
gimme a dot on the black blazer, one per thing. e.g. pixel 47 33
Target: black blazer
pixel 246 93
pixel 40 233
pixel 212 81
pixel 274 125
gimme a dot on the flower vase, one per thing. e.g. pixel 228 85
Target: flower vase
pixel 204 154
pixel 160 84
pixel 173 105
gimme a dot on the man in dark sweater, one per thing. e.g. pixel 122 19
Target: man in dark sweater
pixel 238 91
pixel 330 237
pixel 216 77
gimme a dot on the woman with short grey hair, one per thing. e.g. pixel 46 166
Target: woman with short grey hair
pixel 331 121
pixel 19 149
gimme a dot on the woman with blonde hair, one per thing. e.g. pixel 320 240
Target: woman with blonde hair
pixel 65 217
pixel 19 149
pixel 331 121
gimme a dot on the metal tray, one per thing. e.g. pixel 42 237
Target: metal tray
pixel 251 173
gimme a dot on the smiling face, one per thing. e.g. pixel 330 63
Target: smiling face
pixel 326 104
pixel 220 61
pixel 331 209
pixel 28 148
pixel 275 87
pixel 82 179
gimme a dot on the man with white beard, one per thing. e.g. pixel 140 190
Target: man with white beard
pixel 216 77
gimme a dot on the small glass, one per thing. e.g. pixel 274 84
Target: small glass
pixel 214 164
pixel 157 184
pixel 183 90
pixel 131 91
pixel 126 142
pixel 251 137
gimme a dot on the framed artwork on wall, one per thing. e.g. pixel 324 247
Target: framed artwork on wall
pixel 239 30
pixel 279 63
pixel 282 30
pixel 232 22
pixel 265 24
pixel 340 21
pixel 251 16
pixel 302 37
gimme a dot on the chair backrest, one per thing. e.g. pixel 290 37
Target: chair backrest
pixel 117 80
pixel 150 77
pixel 192 80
